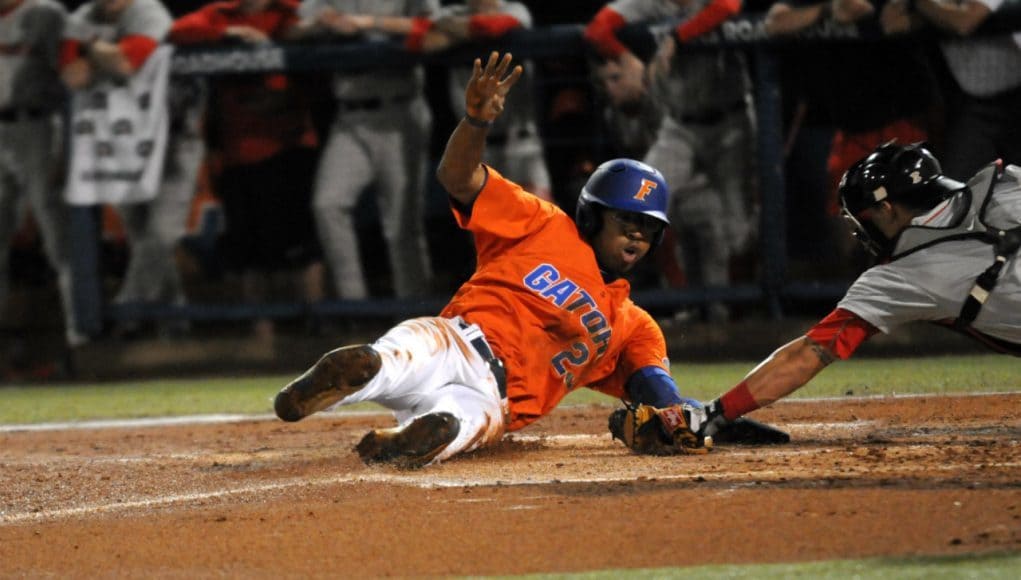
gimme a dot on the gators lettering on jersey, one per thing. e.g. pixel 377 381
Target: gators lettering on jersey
pixel 539 297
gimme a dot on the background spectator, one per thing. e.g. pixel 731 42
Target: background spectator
pixel 985 123
pixel 379 140
pixel 849 98
pixel 630 119
pixel 266 143
pixel 704 143
pixel 31 94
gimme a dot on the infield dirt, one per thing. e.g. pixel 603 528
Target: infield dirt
pixel 259 498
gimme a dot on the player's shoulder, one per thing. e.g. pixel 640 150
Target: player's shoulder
pixel 148 5
pixel 497 183
pixel 45 7
pixel 641 315
pixel 452 11
pixel 647 9
pixel 83 12
pixel 636 323
pixel 223 7
pixel 897 280
pixel 518 10
pixel 147 9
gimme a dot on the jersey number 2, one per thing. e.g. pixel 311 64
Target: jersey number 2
pixel 577 355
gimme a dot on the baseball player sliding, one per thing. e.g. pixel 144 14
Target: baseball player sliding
pixel 949 254
pixel 547 311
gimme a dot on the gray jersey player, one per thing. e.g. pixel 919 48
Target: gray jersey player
pixel 379 139
pixel 703 144
pixel 30 95
pixel 949 255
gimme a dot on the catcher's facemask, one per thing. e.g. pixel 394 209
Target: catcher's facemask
pixel 866 233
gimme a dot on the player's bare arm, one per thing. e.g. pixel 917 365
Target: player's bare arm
pixel 847 11
pixel 961 18
pixel 456 27
pixel 248 34
pixel 897 17
pixel 109 58
pixel 460 170
pixel 76 74
pixel 782 18
pixel 787 370
pixel 397 25
pixel 324 24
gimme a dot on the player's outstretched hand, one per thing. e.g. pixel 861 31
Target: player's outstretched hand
pixel 488 86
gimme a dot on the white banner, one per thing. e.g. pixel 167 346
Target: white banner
pixel 119 136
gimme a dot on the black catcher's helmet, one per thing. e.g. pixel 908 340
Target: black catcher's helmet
pixel 907 174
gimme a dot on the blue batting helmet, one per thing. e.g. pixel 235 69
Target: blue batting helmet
pixel 623 185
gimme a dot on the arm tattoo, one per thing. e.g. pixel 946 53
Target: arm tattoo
pixel 825 356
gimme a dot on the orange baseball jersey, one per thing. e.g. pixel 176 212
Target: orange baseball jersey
pixel 538 295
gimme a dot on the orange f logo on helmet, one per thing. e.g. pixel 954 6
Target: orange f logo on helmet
pixel 645 189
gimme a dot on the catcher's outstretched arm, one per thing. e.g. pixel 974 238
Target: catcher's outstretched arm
pixel 786 370
pixel 794 364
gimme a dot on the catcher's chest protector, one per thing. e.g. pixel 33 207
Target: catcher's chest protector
pixel 973 225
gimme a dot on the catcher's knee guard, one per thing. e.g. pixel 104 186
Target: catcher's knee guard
pixel 336 375
pixel 413 445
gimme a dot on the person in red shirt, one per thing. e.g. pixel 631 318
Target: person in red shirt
pixel 266 144
pixel 546 312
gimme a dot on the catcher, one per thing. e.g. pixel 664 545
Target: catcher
pixel 547 311
pixel 948 255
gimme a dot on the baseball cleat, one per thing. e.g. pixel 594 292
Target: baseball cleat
pixel 336 375
pixel 412 446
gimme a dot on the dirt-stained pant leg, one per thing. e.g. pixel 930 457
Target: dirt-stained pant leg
pixel 429 366
pixel 696 205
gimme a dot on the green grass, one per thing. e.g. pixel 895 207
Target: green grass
pixel 77 402
pixel 993 566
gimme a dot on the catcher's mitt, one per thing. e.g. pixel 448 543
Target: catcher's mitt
pixel 650 431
